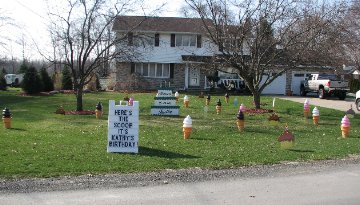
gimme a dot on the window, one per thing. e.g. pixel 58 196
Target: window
pixel 157 39
pixel 130 38
pixel 153 70
pixel 186 40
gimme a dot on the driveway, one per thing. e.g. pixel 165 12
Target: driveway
pixel 333 103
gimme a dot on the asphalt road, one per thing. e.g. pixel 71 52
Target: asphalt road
pixel 322 182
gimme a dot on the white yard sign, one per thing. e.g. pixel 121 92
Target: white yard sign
pixel 123 127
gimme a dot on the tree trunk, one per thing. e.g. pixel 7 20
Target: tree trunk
pixel 79 99
pixel 256 97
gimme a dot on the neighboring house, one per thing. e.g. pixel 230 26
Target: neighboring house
pixel 176 52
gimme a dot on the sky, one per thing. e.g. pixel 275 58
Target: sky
pixel 30 30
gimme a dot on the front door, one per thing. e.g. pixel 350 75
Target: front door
pixel 194 76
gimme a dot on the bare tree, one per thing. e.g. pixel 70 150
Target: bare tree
pixel 351 34
pixel 83 36
pixel 261 40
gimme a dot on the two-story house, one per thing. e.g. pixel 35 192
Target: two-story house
pixel 176 52
pixel 166 50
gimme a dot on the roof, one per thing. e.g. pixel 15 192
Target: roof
pixel 159 24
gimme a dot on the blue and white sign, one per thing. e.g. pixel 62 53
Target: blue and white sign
pixel 123 127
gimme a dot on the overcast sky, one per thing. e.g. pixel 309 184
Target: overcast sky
pixel 30 17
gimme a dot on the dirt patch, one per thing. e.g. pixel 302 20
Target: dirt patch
pixel 254 111
pixel 84 112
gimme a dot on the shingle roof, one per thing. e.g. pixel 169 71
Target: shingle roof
pixel 159 24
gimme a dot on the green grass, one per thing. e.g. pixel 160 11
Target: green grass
pixel 44 144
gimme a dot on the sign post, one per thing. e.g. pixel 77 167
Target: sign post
pixel 123 127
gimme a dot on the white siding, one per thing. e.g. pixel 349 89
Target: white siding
pixel 277 87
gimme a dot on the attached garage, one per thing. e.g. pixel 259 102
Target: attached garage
pixel 277 87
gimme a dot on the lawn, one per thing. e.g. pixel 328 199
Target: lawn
pixel 44 144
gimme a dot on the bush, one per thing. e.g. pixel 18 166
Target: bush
pixel 354 85
pixel 67 83
pixel 46 80
pixel 32 83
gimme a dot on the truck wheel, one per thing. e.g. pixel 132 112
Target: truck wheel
pixel 321 93
pixel 342 96
pixel 302 91
pixel 358 104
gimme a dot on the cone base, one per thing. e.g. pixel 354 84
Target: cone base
pixel 186 103
pixel 345 131
pixel 98 114
pixel 240 125
pixel 316 120
pixel 286 145
pixel 7 122
pixel 187 132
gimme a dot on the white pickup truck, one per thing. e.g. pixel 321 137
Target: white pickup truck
pixel 325 85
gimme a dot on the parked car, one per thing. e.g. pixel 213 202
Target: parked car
pixel 325 85
pixel 357 100
pixel 13 79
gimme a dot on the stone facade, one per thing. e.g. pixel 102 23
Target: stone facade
pixel 125 80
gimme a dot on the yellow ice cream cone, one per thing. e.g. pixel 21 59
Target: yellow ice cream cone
pixel 186 103
pixel 187 132
pixel 306 113
pixel 98 114
pixel 7 122
pixel 227 100
pixel 240 124
pixel 218 109
pixel 316 119
pixel 345 131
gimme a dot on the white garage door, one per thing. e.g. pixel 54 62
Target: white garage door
pixel 277 87
pixel 297 77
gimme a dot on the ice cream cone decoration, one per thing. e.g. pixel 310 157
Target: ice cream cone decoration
pixel 316 115
pixel 345 127
pixel 286 140
pixel 186 101
pixel 227 97
pixel 218 107
pixel 274 119
pixel 350 112
pixel 187 127
pixel 131 101
pixel 242 108
pixel 177 96
pixel 201 95
pixel 98 111
pixel 236 101
pixel 306 108
pixel 6 117
pixel 208 100
pixel 240 121
pixel 126 98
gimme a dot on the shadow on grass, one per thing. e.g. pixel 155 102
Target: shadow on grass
pixel 356 137
pixel 163 154
pixel 18 129
pixel 202 139
pixel 302 150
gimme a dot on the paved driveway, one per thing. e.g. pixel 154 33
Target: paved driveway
pixel 333 102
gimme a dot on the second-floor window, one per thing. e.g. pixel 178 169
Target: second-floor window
pixel 185 40
pixel 153 70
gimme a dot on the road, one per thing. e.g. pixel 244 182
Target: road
pixel 336 182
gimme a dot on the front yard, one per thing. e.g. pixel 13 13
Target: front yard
pixel 44 144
